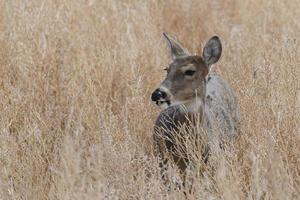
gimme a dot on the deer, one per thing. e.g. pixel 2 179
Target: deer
pixel 193 95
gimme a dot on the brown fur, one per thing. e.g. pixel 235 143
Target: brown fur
pixel 181 88
pixel 199 111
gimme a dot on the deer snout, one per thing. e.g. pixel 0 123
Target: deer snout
pixel 161 98
pixel 158 95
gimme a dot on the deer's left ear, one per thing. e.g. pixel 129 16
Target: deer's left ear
pixel 176 49
pixel 212 50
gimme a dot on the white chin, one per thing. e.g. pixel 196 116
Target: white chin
pixel 164 105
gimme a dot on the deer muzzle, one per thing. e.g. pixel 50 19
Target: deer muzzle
pixel 160 97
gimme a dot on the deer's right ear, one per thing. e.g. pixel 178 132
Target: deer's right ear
pixel 212 51
pixel 176 49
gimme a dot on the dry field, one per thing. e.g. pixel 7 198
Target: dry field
pixel 76 118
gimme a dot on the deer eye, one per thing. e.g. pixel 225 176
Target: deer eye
pixel 189 72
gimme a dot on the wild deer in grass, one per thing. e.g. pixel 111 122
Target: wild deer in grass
pixel 195 100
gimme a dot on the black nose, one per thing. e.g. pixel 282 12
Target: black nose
pixel 157 94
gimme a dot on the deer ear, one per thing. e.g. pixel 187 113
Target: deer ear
pixel 176 49
pixel 212 50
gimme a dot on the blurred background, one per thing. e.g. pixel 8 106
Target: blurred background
pixel 76 118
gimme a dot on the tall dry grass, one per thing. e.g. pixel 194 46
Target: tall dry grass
pixel 76 119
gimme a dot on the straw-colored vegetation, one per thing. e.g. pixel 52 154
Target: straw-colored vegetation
pixel 75 82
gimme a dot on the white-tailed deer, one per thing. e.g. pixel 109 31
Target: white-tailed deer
pixel 193 95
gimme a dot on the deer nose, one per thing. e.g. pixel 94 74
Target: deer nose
pixel 158 94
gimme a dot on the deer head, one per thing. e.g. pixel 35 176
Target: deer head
pixel 185 83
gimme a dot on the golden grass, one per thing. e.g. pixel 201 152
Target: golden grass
pixel 75 82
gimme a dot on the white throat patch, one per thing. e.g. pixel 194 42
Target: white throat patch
pixel 192 106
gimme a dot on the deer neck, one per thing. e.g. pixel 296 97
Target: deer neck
pixel 194 108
